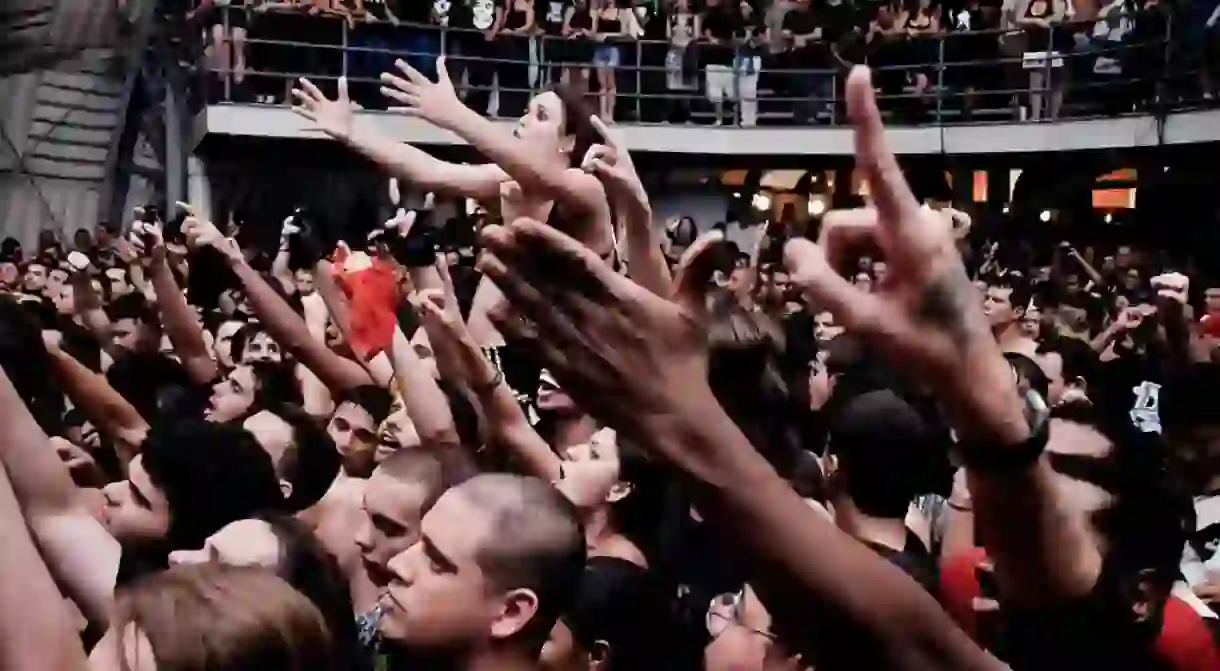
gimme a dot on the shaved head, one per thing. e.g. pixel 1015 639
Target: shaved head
pixel 535 542
pixel 435 470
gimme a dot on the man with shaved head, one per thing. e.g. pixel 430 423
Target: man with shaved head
pixel 499 558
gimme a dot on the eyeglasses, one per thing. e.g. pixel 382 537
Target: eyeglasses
pixel 726 610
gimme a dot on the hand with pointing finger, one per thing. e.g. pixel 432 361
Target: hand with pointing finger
pixel 436 102
pixel 926 317
pixel 333 117
pixel 612 164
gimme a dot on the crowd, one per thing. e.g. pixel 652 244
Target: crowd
pixel 748 62
pixel 600 446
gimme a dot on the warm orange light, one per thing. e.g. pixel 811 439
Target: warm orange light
pixel 1113 199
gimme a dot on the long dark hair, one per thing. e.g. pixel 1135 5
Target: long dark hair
pixel 576 114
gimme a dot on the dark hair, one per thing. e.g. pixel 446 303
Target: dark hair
pixel 537 543
pixel 1151 514
pixel 881 442
pixel 211 474
pixel 242 337
pixel 307 566
pixel 132 306
pixel 1028 373
pixel 1021 291
pixel 311 464
pixel 617 605
pixel 148 380
pixel 24 358
pixel 275 386
pixel 576 114
pixel 373 399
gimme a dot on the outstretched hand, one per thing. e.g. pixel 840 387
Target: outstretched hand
pixel 611 163
pixel 926 317
pixel 333 117
pixel 421 97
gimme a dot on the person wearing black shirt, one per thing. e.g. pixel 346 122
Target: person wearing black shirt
pixel 718 55
pixel 518 27
pixel 750 35
pixel 549 16
pixel 464 18
pixel 806 51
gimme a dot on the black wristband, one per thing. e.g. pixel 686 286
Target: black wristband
pixel 1000 459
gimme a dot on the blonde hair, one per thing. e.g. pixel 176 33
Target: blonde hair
pixel 212 617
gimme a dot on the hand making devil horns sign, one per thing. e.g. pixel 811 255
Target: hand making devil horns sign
pixel 926 317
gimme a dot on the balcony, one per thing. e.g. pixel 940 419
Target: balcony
pixel 1087 93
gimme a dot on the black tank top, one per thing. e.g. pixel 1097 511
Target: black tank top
pixel 581 19
pixel 516 18
pixel 609 26
pixel 918 21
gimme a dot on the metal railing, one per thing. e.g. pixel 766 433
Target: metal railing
pixel 960 76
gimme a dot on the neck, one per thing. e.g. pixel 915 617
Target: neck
pixel 890 533
pixel 491 659
pixel 574 430
pixel 597 527
pixel 1011 339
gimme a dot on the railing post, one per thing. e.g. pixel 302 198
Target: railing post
pixel 227 76
pixel 639 80
pixel 736 92
pixel 343 66
pixel 1048 70
pixel 940 77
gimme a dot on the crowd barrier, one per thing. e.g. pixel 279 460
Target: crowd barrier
pixel 970 76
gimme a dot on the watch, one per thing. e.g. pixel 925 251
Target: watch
pixel 994 458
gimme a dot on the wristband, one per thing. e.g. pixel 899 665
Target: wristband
pixel 996 459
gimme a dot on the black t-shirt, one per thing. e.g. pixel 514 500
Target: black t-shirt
pixel 914 560
pixel 483 13
pixel 804 21
pixel 1129 385
pixel 719 23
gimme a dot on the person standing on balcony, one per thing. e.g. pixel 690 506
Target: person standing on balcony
pixel 807 60
pixel 751 36
pixel 578 33
pixel 514 65
pixel 609 27
pixel 550 19
pixel 477 48
pixel 922 26
pixel 1045 82
pixel 681 61
pixel 718 54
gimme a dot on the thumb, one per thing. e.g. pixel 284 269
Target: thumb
pixel 807 265
pixel 342 97
pixel 694 272
pixel 442 72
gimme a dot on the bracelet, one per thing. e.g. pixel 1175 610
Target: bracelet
pixel 959 507
pixel 490 386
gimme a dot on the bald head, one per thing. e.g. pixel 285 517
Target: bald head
pixel 535 542
pixel 435 471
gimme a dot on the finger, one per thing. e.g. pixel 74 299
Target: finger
pixel 399 83
pixel 449 293
pixel 412 74
pixel 410 102
pixel 524 298
pixel 604 130
pixel 847 235
pixel 314 92
pixel 561 264
pixel 343 97
pixel 185 208
pixel 304 112
pixel 890 191
pixel 694 271
pixel 606 171
pixel 808 268
pixel 442 70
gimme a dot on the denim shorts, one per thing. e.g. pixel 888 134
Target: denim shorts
pixel 606 56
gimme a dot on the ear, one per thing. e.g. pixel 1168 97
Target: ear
pixel 517 610
pixel 599 654
pixel 618 492
pixel 568 144
pixel 286 489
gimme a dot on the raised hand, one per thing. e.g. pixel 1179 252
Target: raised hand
pixel 200 233
pixel 926 317
pixel 632 358
pixel 333 117
pixel 421 97
pixel 612 164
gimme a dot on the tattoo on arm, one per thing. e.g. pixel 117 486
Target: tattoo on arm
pixel 950 302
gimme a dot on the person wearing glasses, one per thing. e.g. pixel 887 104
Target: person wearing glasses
pixel 741 639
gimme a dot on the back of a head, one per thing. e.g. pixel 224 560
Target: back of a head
pixel 210 616
pixel 618 605
pixel 311 570
pixel 882 444
pixel 437 471
pixel 311 464
pixel 537 543
pixel 25 361
pixel 212 474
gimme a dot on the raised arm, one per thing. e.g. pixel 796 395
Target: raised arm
pixel 278 317
pixel 180 322
pixel 83 557
pixel 534 171
pixel 413 166
pixel 104 407
pixel 36 632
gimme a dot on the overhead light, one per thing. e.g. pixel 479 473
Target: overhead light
pixel 1109 218
pixel 761 202
pixel 816 206
pixel 1005 208
pixel 737 194
pixel 1045 216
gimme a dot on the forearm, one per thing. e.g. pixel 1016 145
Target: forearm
pixel 280 270
pixel 645 260
pixel 289 330
pixel 36 633
pixel 808 572
pixel 179 322
pixel 506 421
pixel 423 399
pixel 89 309
pixel 104 407
pixel 420 169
